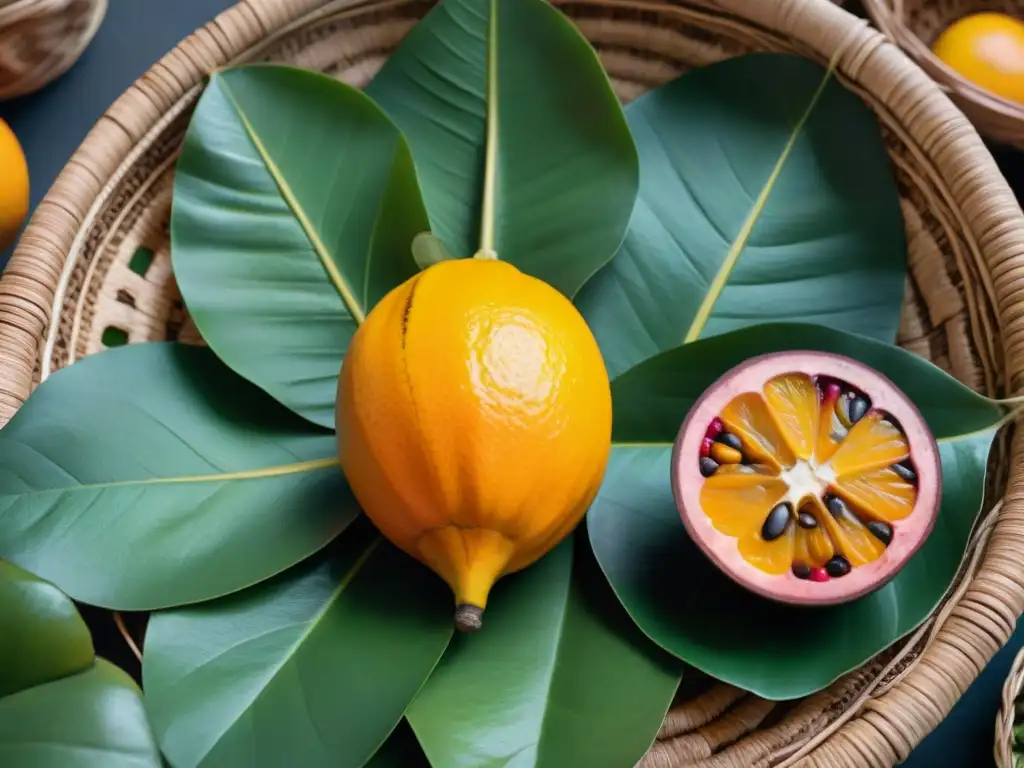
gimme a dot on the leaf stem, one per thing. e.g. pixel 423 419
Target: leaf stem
pixel 487 213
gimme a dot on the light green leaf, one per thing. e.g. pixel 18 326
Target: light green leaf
pixel 295 206
pixel 42 637
pixel 766 194
pixel 520 144
pixel 94 719
pixel 558 677
pixel 773 650
pixel 150 475
pixel 313 668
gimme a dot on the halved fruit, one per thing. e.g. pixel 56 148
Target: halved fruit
pixel 807 477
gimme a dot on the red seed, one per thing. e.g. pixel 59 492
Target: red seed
pixel 705 446
pixel 715 429
pixel 819 574
pixel 833 391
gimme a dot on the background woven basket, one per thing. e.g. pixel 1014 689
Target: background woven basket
pixel 1012 688
pixel 41 39
pixel 915 24
pixel 93 268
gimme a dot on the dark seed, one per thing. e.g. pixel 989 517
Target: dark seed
pixel 776 522
pixel 801 570
pixel 905 472
pixel 857 408
pixel 708 466
pixel 733 441
pixel 838 507
pixel 807 520
pixel 882 531
pixel 837 566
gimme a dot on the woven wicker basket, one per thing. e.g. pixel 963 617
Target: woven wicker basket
pixel 94 264
pixel 41 39
pixel 915 24
pixel 1012 688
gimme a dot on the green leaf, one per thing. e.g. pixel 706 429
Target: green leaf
pixel 43 636
pixel 773 650
pixel 766 194
pixel 150 475
pixel 295 206
pixel 94 719
pixel 520 144
pixel 559 677
pixel 314 668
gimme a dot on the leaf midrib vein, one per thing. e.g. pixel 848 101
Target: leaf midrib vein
pixel 280 470
pixel 733 254
pixel 348 298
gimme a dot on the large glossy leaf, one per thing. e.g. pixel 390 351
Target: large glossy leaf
pixel 314 668
pixel 42 637
pixel 94 719
pixel 519 141
pixel 151 475
pixel 766 194
pixel 559 677
pixel 295 205
pixel 776 651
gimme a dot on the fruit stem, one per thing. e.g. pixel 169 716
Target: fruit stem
pixel 469 618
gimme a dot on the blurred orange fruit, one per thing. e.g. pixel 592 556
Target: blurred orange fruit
pixel 13 186
pixel 988 50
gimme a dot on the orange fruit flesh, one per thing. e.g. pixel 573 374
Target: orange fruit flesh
pixel 802 444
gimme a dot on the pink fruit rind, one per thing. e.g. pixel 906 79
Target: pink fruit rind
pixel 750 376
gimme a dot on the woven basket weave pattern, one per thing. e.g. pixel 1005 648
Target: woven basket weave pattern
pixel 96 257
pixel 41 39
pixel 1012 688
pixel 915 25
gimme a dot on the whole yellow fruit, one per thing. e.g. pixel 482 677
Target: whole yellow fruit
pixel 988 50
pixel 474 422
pixel 13 186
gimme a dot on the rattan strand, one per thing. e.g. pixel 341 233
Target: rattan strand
pixel 42 39
pixel 70 279
pixel 1012 688
pixel 915 24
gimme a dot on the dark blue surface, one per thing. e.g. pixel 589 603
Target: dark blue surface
pixel 52 123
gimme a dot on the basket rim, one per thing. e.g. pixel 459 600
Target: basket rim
pixel 894 723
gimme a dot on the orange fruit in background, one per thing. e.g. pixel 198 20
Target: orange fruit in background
pixel 474 422
pixel 988 50
pixel 13 186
